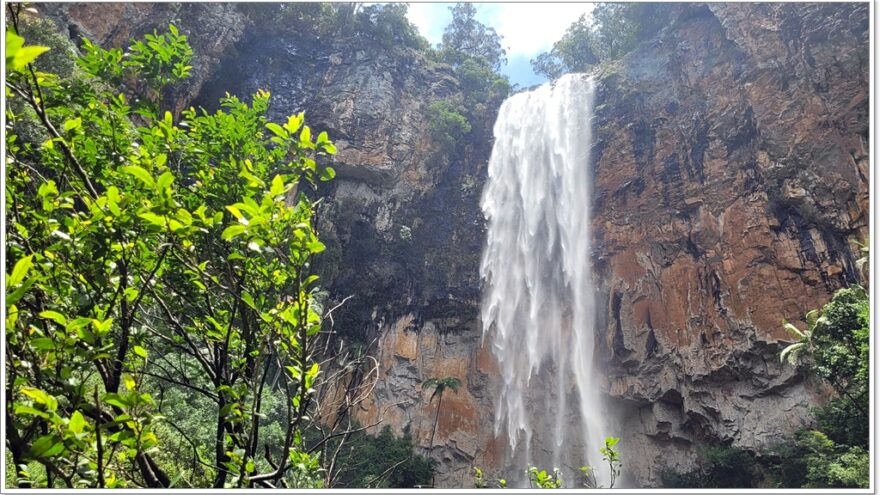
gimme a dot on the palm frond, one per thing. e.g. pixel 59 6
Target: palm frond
pixel 811 318
pixel 793 330
pixel 791 352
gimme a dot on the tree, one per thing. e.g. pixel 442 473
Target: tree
pixel 805 338
pixel 439 385
pixel 612 30
pixel 836 350
pixel 383 24
pixel 388 24
pixel 148 253
pixel 573 52
pixel 540 478
pixel 475 54
pixel 466 38
pixel 863 263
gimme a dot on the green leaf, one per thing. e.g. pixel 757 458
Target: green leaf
pixel 14 43
pixel 232 231
pixel 306 135
pixel 140 351
pixel 16 295
pixel 153 219
pixel 141 174
pixel 294 122
pixel 129 382
pixel 165 180
pixel 23 410
pixel 327 174
pixel 329 148
pixel 311 374
pixel 42 343
pixel 248 299
pixel 277 187
pixel 72 124
pixel 18 55
pixel 115 400
pixel 235 211
pixel 19 271
pixel 27 55
pixel 792 330
pixel 77 422
pixel 40 397
pixel 277 130
pixel 47 446
pixel 316 247
pixel 54 316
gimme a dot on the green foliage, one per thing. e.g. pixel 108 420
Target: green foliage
pixel 447 126
pixel 544 480
pixel 837 346
pixel 466 38
pixel 388 25
pixel 385 25
pixel 479 479
pixel 572 53
pixel 863 263
pixel 719 467
pixel 483 89
pixel 18 56
pixel 611 32
pixel 840 346
pixel 836 349
pixel 440 385
pixel 405 233
pixel 812 460
pixel 612 457
pixel 792 352
pixel 382 461
pixel 167 254
pixel 475 54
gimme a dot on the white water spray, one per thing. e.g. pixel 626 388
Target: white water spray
pixel 538 307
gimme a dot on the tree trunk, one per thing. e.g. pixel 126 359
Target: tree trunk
pixel 436 417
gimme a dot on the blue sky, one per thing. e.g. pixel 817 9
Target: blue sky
pixel 527 29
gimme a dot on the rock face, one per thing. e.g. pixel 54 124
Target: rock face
pixel 731 173
pixel 212 30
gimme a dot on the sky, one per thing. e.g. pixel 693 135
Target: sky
pixel 527 29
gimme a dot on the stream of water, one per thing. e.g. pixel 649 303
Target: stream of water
pixel 538 307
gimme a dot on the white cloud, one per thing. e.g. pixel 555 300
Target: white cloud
pixel 527 28
pixel 430 18
pixel 531 28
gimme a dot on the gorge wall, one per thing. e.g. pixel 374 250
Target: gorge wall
pixel 730 158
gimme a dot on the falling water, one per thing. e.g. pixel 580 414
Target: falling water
pixel 538 298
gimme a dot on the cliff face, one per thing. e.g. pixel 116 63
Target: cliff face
pixel 731 169
pixel 402 226
pixel 731 172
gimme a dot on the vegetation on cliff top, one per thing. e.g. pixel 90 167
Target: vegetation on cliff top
pixel 612 30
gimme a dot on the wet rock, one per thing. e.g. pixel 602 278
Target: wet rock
pixel 743 123
pixel 730 175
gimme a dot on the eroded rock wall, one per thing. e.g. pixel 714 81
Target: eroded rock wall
pixel 731 177
pixel 731 174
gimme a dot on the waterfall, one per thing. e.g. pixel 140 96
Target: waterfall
pixel 538 306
